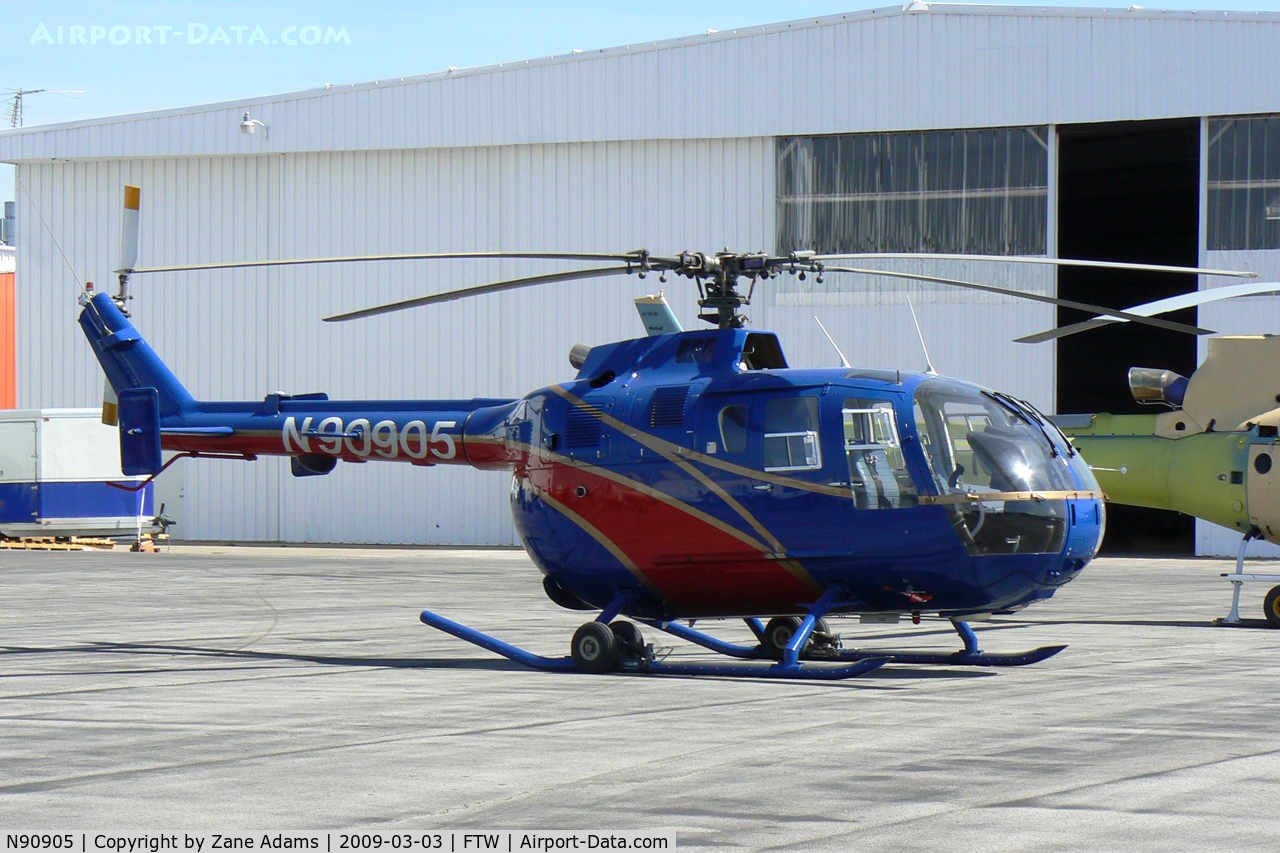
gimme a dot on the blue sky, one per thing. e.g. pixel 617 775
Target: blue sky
pixel 241 49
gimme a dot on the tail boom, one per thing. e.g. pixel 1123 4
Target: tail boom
pixel 310 427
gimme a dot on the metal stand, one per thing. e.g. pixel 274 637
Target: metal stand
pixel 1238 578
pixel 1233 618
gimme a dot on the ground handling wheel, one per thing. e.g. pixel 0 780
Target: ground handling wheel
pixel 780 629
pixel 594 649
pixel 778 632
pixel 1271 606
pixel 628 639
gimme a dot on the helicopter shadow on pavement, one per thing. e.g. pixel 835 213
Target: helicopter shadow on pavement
pixel 1158 623
pixel 145 650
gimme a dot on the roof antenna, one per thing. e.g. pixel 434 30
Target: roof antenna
pixel 928 362
pixel 844 362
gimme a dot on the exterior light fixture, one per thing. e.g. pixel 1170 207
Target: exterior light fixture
pixel 250 125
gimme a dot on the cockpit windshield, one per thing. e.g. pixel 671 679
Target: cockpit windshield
pixel 977 442
pixel 979 445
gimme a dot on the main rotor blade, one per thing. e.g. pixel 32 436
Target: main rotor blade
pixel 495 287
pixel 1160 306
pixel 1024 259
pixel 542 256
pixel 1034 297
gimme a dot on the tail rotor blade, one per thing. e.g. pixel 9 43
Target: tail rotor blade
pixel 110 404
pixel 129 229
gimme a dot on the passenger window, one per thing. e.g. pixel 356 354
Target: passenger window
pixel 733 428
pixel 791 435
pixel 877 469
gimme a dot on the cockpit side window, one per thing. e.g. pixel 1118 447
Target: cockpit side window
pixel 733 428
pixel 791 434
pixel 878 472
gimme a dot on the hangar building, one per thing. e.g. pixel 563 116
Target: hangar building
pixel 1133 134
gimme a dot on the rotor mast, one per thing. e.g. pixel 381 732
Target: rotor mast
pixel 718 278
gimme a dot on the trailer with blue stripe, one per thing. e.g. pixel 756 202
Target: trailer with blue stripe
pixel 57 467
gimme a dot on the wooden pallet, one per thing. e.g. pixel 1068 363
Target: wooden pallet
pixel 50 543
pixel 150 543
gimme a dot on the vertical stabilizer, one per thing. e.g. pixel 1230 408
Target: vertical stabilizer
pixel 127 359
pixel 657 316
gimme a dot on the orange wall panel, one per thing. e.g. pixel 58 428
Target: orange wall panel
pixel 8 345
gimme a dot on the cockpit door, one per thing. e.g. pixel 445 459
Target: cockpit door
pixel 877 470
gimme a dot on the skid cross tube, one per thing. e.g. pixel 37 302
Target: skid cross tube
pixel 620 601
pixel 820 608
pixel 707 641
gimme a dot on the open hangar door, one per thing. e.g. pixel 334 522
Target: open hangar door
pixel 1127 191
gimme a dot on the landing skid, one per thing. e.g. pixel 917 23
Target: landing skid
pixel 641 660
pixel 646 664
pixel 970 655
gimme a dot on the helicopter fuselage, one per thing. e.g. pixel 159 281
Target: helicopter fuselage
pixel 700 469
pixel 699 472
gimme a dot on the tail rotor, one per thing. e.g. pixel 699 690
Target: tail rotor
pixel 128 244
pixel 128 262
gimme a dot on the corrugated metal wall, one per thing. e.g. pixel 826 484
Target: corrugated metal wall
pixel 518 157
pixel 887 69
pixel 238 335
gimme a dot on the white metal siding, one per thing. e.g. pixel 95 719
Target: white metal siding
pixel 667 146
pixel 888 69
pixel 238 335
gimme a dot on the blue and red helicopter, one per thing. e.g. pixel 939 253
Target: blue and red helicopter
pixel 692 475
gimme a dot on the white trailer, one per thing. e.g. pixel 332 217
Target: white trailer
pixel 56 467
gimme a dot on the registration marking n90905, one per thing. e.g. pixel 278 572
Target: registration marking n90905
pixel 361 437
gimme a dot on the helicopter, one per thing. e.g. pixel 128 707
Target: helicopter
pixel 693 475
pixel 1210 454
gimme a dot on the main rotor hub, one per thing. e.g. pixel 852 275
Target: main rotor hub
pixel 718 276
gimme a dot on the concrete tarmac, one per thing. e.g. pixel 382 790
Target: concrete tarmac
pixel 223 688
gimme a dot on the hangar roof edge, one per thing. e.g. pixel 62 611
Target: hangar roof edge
pixel 16 145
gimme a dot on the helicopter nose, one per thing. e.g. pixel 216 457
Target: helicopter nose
pixel 1070 568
